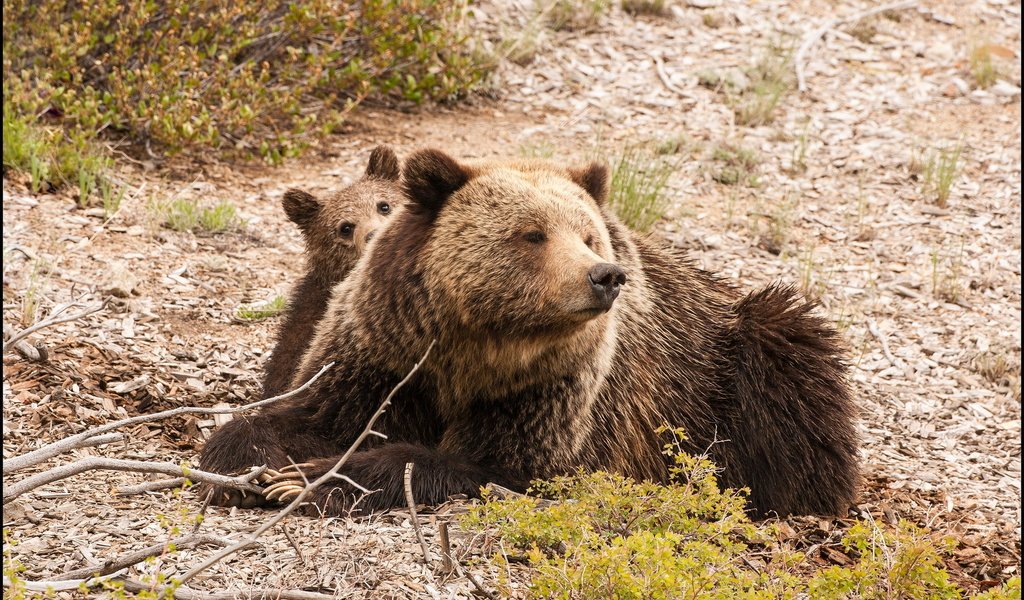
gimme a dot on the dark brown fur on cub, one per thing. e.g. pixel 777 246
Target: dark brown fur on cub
pixel 336 230
pixel 563 340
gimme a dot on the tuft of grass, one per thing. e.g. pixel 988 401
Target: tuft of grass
pixel 219 217
pixel 657 8
pixel 536 149
pixel 638 186
pixel 737 165
pixel 939 171
pixel 984 69
pixel 770 79
pixel 261 311
pixel 574 15
pixel 53 158
pixel 188 215
pixel 947 273
pixel 521 45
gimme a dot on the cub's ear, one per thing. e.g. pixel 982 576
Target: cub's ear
pixel 383 164
pixel 593 178
pixel 431 176
pixel 301 207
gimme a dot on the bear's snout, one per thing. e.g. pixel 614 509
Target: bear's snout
pixel 605 279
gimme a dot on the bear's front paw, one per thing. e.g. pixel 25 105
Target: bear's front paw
pixel 285 485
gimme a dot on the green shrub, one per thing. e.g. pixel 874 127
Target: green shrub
pixel 266 77
pixel 902 563
pixel 601 535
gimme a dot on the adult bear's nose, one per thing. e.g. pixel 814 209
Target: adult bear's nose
pixel 605 279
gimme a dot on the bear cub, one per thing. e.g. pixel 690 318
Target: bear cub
pixel 336 230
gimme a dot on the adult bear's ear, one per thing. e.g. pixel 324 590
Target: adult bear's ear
pixel 383 164
pixel 431 176
pixel 301 207
pixel 593 178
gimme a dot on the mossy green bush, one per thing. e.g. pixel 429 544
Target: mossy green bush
pixel 262 77
pixel 599 535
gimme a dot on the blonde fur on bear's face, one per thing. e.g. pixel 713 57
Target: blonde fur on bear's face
pixel 512 250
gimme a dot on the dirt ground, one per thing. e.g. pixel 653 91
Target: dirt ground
pixel 928 296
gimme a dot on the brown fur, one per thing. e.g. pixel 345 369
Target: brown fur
pixel 329 254
pixel 531 378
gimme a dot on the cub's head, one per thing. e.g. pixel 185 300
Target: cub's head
pixel 516 248
pixel 338 227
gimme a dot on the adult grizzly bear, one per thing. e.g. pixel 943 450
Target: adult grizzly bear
pixel 336 230
pixel 563 339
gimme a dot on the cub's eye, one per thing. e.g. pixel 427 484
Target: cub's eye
pixel 383 208
pixel 589 241
pixel 346 230
pixel 535 237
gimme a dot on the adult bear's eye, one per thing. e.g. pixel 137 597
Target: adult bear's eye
pixel 346 230
pixel 535 237
pixel 383 208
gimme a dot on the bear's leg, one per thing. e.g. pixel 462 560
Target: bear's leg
pixel 436 476
pixel 261 439
pixel 792 430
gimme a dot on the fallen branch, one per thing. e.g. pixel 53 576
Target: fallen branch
pixel 149 486
pixel 16 463
pixel 114 565
pixel 180 593
pixel 873 328
pixel 812 37
pixel 312 487
pixel 53 319
pixel 409 500
pixel 102 463
pixel 659 67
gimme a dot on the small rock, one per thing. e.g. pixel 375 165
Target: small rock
pixel 96 212
pixel 121 282
pixel 1005 89
pixel 956 87
pixel 136 230
pixel 703 3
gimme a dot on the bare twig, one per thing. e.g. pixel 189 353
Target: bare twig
pixel 116 564
pixel 99 440
pixel 659 66
pixel 812 37
pixel 446 547
pixel 412 513
pixel 53 319
pixel 312 487
pixel 873 328
pixel 183 593
pixel 150 486
pixel 180 593
pixel 37 456
pixel 474 580
pixel 102 463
